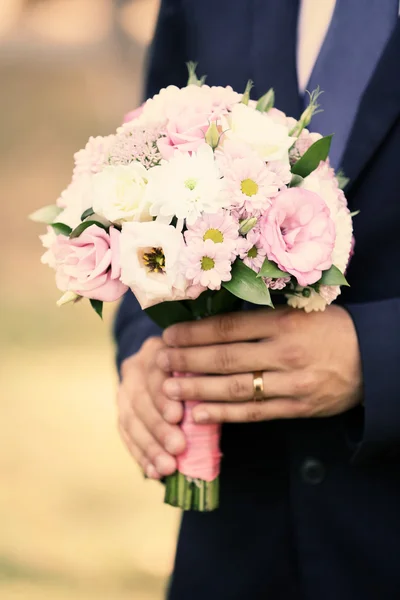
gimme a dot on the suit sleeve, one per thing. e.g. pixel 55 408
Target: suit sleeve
pixel 165 66
pixel 378 329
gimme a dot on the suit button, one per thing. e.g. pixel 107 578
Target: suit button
pixel 312 471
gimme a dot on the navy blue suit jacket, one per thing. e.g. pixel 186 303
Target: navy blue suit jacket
pixel 309 508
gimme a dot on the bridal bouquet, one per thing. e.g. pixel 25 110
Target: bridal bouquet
pixel 202 199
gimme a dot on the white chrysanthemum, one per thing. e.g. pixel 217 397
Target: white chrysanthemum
pixel 322 181
pixel 315 301
pixel 185 187
pixel 119 193
pixel 269 139
pixel 75 200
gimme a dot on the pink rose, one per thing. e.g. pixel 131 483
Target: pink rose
pixel 89 265
pixel 185 131
pixel 133 114
pixel 299 234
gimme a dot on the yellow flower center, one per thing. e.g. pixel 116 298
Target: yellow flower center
pixel 191 183
pixel 249 187
pixel 215 235
pixel 252 253
pixel 154 260
pixel 207 263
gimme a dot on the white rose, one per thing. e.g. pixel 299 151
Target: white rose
pixel 269 139
pixel 48 240
pixel 75 200
pixel 119 193
pixel 150 254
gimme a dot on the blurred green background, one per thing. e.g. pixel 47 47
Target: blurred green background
pixel 77 520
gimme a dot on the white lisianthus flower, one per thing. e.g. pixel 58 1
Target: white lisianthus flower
pixel 269 139
pixel 119 193
pixel 150 262
pixel 75 200
pixel 185 187
pixel 323 182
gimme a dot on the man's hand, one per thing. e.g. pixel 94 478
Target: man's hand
pixel 310 362
pixel 147 419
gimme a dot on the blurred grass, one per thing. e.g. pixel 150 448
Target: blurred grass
pixel 77 520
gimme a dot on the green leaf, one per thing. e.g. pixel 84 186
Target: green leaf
pixel 355 213
pixel 296 181
pixel 46 215
pixel 269 269
pixel 311 159
pixel 333 277
pixel 78 230
pixel 97 306
pixel 87 213
pixel 169 313
pixel 61 228
pixel 266 102
pixel 246 286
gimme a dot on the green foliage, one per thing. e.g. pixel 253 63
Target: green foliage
pixel 97 306
pixel 81 228
pixel 247 286
pixel 61 228
pixel 333 277
pixel 311 159
pixel 269 269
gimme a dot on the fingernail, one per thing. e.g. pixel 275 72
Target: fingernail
pixel 162 361
pixel 172 413
pixel 172 389
pixel 163 464
pixel 169 336
pixel 151 473
pixel 173 444
pixel 201 416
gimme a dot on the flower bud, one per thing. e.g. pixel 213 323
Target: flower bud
pixel 266 102
pixel 246 94
pixel 68 297
pixel 213 135
pixel 247 225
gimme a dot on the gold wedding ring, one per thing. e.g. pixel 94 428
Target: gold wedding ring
pixel 258 386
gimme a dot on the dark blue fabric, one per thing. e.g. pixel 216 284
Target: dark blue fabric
pixel 356 38
pixel 279 535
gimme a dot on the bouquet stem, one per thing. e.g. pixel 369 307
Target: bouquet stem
pixel 191 494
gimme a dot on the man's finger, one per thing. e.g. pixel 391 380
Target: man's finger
pixel 280 408
pixel 231 327
pixel 168 436
pixel 220 359
pixel 149 448
pixel 231 388
pixel 143 462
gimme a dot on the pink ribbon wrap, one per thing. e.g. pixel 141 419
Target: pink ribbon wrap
pixel 202 457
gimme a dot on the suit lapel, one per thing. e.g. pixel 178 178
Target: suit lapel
pixel 378 110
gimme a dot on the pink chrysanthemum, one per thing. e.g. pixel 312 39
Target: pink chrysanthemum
pixel 276 284
pixel 92 158
pixel 220 228
pixel 249 184
pixel 251 250
pixel 135 143
pixel 207 264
